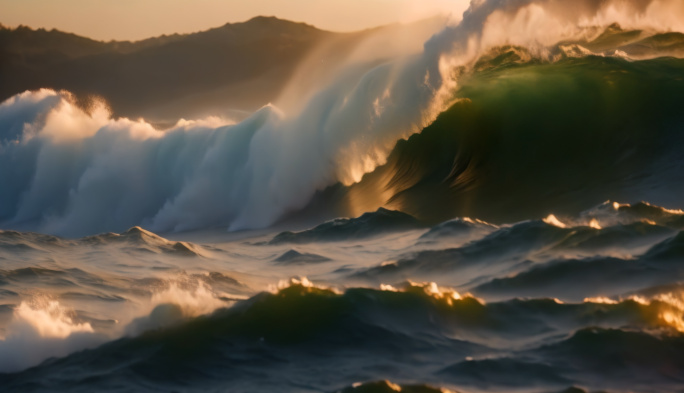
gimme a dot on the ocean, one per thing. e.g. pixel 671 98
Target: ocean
pixel 489 215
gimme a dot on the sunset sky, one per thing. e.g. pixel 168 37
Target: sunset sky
pixel 137 19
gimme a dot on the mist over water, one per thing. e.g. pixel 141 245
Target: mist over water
pixel 490 167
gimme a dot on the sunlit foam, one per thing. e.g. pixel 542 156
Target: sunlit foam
pixel 670 306
pixel 299 281
pixel 445 294
pixel 594 224
pixel 600 300
pixel 552 220
pixel 193 298
pixel 173 301
pixel 49 318
pixel 617 206
pixel 303 281
pixel 675 316
pixel 42 328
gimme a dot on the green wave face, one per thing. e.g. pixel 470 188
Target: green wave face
pixel 526 137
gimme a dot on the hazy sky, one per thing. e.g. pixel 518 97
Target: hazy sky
pixel 136 19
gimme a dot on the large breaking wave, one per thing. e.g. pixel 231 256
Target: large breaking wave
pixel 72 170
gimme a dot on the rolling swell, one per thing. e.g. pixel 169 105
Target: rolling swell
pixel 279 340
pixel 608 250
pixel 659 265
pixel 507 246
pixel 612 353
pixel 577 279
pixel 268 332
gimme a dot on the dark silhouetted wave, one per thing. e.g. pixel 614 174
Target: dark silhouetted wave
pixel 367 225
pixel 360 332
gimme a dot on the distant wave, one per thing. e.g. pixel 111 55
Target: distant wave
pixel 295 257
pixel 610 248
pixel 367 225
pixel 135 237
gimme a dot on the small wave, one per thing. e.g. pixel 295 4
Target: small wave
pixel 91 296
pixel 581 245
pixel 600 354
pixel 14 241
pixel 614 213
pixel 367 225
pixel 33 275
pixel 627 237
pixel 668 250
pixel 217 278
pixel 509 372
pixel 296 257
pixel 135 238
pixel 507 245
pixel 597 275
pixel 459 229
pixel 144 240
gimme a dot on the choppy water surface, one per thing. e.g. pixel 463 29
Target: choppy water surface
pixel 593 301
